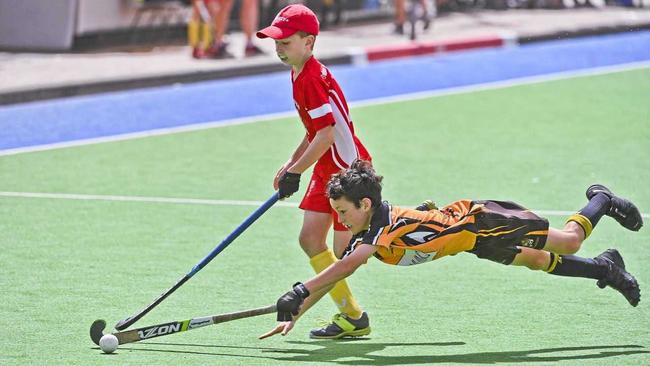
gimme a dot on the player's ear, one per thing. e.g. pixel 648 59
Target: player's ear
pixel 366 204
pixel 310 41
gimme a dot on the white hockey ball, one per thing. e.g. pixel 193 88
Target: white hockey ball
pixel 108 343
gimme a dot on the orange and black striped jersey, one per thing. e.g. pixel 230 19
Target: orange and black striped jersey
pixel 489 229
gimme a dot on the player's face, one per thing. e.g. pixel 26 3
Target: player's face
pixel 356 219
pixel 293 50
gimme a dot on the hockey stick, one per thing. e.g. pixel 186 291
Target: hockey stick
pixel 140 334
pixel 125 323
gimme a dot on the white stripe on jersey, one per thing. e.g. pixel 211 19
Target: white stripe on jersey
pixel 337 103
pixel 344 145
pixel 320 111
pixel 374 240
pixel 352 247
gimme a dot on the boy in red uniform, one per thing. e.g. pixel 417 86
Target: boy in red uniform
pixel 503 232
pixel 330 143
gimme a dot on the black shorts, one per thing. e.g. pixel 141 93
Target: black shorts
pixel 503 226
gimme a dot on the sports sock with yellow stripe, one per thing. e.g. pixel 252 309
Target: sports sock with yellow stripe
pixel 573 266
pixel 589 216
pixel 341 293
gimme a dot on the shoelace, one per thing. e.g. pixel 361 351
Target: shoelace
pixel 323 323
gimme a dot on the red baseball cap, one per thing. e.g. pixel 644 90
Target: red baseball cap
pixel 291 19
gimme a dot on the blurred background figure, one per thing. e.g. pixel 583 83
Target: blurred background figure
pixel 248 20
pixel 200 33
pixel 328 7
pixel 413 11
pixel 209 23
pixel 218 48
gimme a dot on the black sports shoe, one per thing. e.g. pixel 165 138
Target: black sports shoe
pixel 427 205
pixel 617 277
pixel 621 209
pixel 343 326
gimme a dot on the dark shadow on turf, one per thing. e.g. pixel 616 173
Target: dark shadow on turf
pixel 330 351
pixel 362 355
pixel 337 351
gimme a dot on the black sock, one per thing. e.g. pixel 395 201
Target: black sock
pixel 596 208
pixel 572 266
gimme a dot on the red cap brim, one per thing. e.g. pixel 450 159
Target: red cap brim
pixel 275 32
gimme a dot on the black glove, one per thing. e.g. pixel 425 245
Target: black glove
pixel 427 205
pixel 288 184
pixel 289 303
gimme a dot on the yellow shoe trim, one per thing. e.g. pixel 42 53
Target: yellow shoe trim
pixel 343 323
pixel 354 333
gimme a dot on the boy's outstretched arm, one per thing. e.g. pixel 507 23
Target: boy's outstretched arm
pixel 285 327
pixel 314 289
pixel 341 268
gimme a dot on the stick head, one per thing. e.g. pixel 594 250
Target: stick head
pixel 97 330
pixel 124 323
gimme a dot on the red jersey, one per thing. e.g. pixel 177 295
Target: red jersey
pixel 320 103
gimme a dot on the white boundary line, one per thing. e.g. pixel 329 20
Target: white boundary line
pixel 111 198
pixel 194 201
pixel 364 103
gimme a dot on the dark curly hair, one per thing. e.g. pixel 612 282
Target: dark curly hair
pixel 356 183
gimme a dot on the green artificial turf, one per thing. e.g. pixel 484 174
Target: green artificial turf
pixel 68 262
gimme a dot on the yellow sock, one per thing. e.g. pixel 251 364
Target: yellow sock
pixel 206 34
pixel 341 292
pixel 193 33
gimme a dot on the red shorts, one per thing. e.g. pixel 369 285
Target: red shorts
pixel 316 199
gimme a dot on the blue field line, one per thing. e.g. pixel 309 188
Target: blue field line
pixel 110 114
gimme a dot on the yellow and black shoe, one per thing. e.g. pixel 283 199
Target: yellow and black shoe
pixel 343 326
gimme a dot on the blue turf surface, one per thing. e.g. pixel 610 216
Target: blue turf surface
pixel 63 120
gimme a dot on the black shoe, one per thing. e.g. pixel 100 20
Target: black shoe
pixel 343 326
pixel 617 277
pixel 621 209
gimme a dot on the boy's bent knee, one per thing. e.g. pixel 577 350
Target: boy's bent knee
pixel 573 246
pixel 570 246
pixel 311 244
